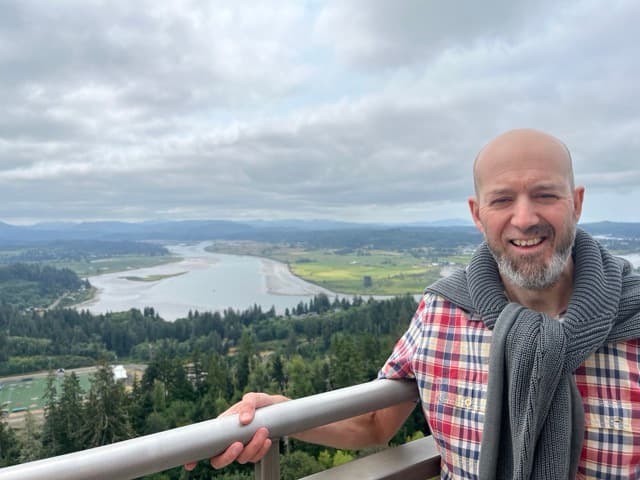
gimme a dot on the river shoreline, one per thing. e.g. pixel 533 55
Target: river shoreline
pixel 280 280
pixel 208 282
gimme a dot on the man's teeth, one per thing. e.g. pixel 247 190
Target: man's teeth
pixel 527 243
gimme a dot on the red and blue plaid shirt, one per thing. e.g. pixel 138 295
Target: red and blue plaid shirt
pixel 447 352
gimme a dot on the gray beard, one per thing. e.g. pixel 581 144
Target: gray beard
pixel 539 278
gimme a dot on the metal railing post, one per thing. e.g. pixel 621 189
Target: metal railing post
pixel 269 467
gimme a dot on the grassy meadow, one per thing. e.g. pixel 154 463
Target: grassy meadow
pixel 353 271
pixel 27 393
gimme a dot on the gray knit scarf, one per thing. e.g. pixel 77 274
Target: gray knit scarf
pixel 534 422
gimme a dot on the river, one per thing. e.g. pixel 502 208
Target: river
pixel 634 258
pixel 203 281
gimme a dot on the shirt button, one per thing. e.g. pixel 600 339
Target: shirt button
pixel 467 402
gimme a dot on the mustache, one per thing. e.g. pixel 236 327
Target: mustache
pixel 541 230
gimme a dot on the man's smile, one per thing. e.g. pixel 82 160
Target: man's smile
pixel 531 242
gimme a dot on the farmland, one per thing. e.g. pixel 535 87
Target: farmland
pixel 354 271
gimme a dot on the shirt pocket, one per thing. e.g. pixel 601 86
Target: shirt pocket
pixel 610 415
pixel 610 436
pixel 456 418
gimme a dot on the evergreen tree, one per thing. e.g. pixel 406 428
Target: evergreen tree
pixel 171 373
pixel 260 379
pixel 159 396
pixel 105 412
pixel 4 346
pixel 70 415
pixel 298 464
pixel 299 379
pixel 155 422
pixel 277 372
pixel 51 428
pixel 244 359
pixel 292 342
pixel 218 388
pixel 31 445
pixel 9 446
pixel 140 407
pixel 345 361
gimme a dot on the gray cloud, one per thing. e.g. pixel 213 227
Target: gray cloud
pixel 355 110
pixel 380 34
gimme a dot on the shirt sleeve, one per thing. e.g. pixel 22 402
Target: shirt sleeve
pixel 400 364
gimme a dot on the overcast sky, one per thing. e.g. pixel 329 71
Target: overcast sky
pixel 365 111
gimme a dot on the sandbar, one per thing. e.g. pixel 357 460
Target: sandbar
pixel 280 281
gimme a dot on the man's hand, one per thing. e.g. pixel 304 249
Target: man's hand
pixel 259 445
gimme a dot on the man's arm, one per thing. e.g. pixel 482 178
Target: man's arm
pixel 374 428
pixel 366 430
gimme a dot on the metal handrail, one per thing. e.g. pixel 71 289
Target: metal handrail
pixel 160 451
pixel 415 460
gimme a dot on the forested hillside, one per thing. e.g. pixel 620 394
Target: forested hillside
pixel 25 285
pixel 74 250
pixel 197 367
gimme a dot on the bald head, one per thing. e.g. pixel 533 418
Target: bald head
pixel 522 148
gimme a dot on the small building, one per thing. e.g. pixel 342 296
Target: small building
pixel 119 372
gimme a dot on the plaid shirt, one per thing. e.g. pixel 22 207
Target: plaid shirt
pixel 447 352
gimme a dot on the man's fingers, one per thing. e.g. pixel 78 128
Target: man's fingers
pixel 246 408
pixel 262 452
pixel 255 446
pixel 228 456
pixel 250 402
pixel 259 444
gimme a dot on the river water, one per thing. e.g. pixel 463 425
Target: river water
pixel 207 282
pixel 634 258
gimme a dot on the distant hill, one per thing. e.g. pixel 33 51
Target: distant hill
pixel 178 230
pixel 448 222
pixel 614 229
pixel 315 232
pixel 76 250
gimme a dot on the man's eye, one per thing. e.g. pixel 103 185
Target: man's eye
pixel 500 201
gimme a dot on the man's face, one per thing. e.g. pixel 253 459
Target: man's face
pixel 535 271
pixel 526 208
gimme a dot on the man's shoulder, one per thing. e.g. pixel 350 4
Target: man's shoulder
pixel 454 289
pixel 435 308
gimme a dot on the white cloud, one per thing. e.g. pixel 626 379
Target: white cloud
pixel 133 110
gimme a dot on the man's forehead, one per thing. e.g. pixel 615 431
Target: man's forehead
pixel 546 185
pixel 523 149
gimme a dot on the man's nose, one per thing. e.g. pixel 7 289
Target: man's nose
pixel 524 214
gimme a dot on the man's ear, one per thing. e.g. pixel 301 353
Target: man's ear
pixel 578 198
pixel 474 208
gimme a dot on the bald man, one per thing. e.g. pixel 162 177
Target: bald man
pixel 527 208
pixel 527 361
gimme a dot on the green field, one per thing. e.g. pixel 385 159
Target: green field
pixel 353 271
pixel 26 394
